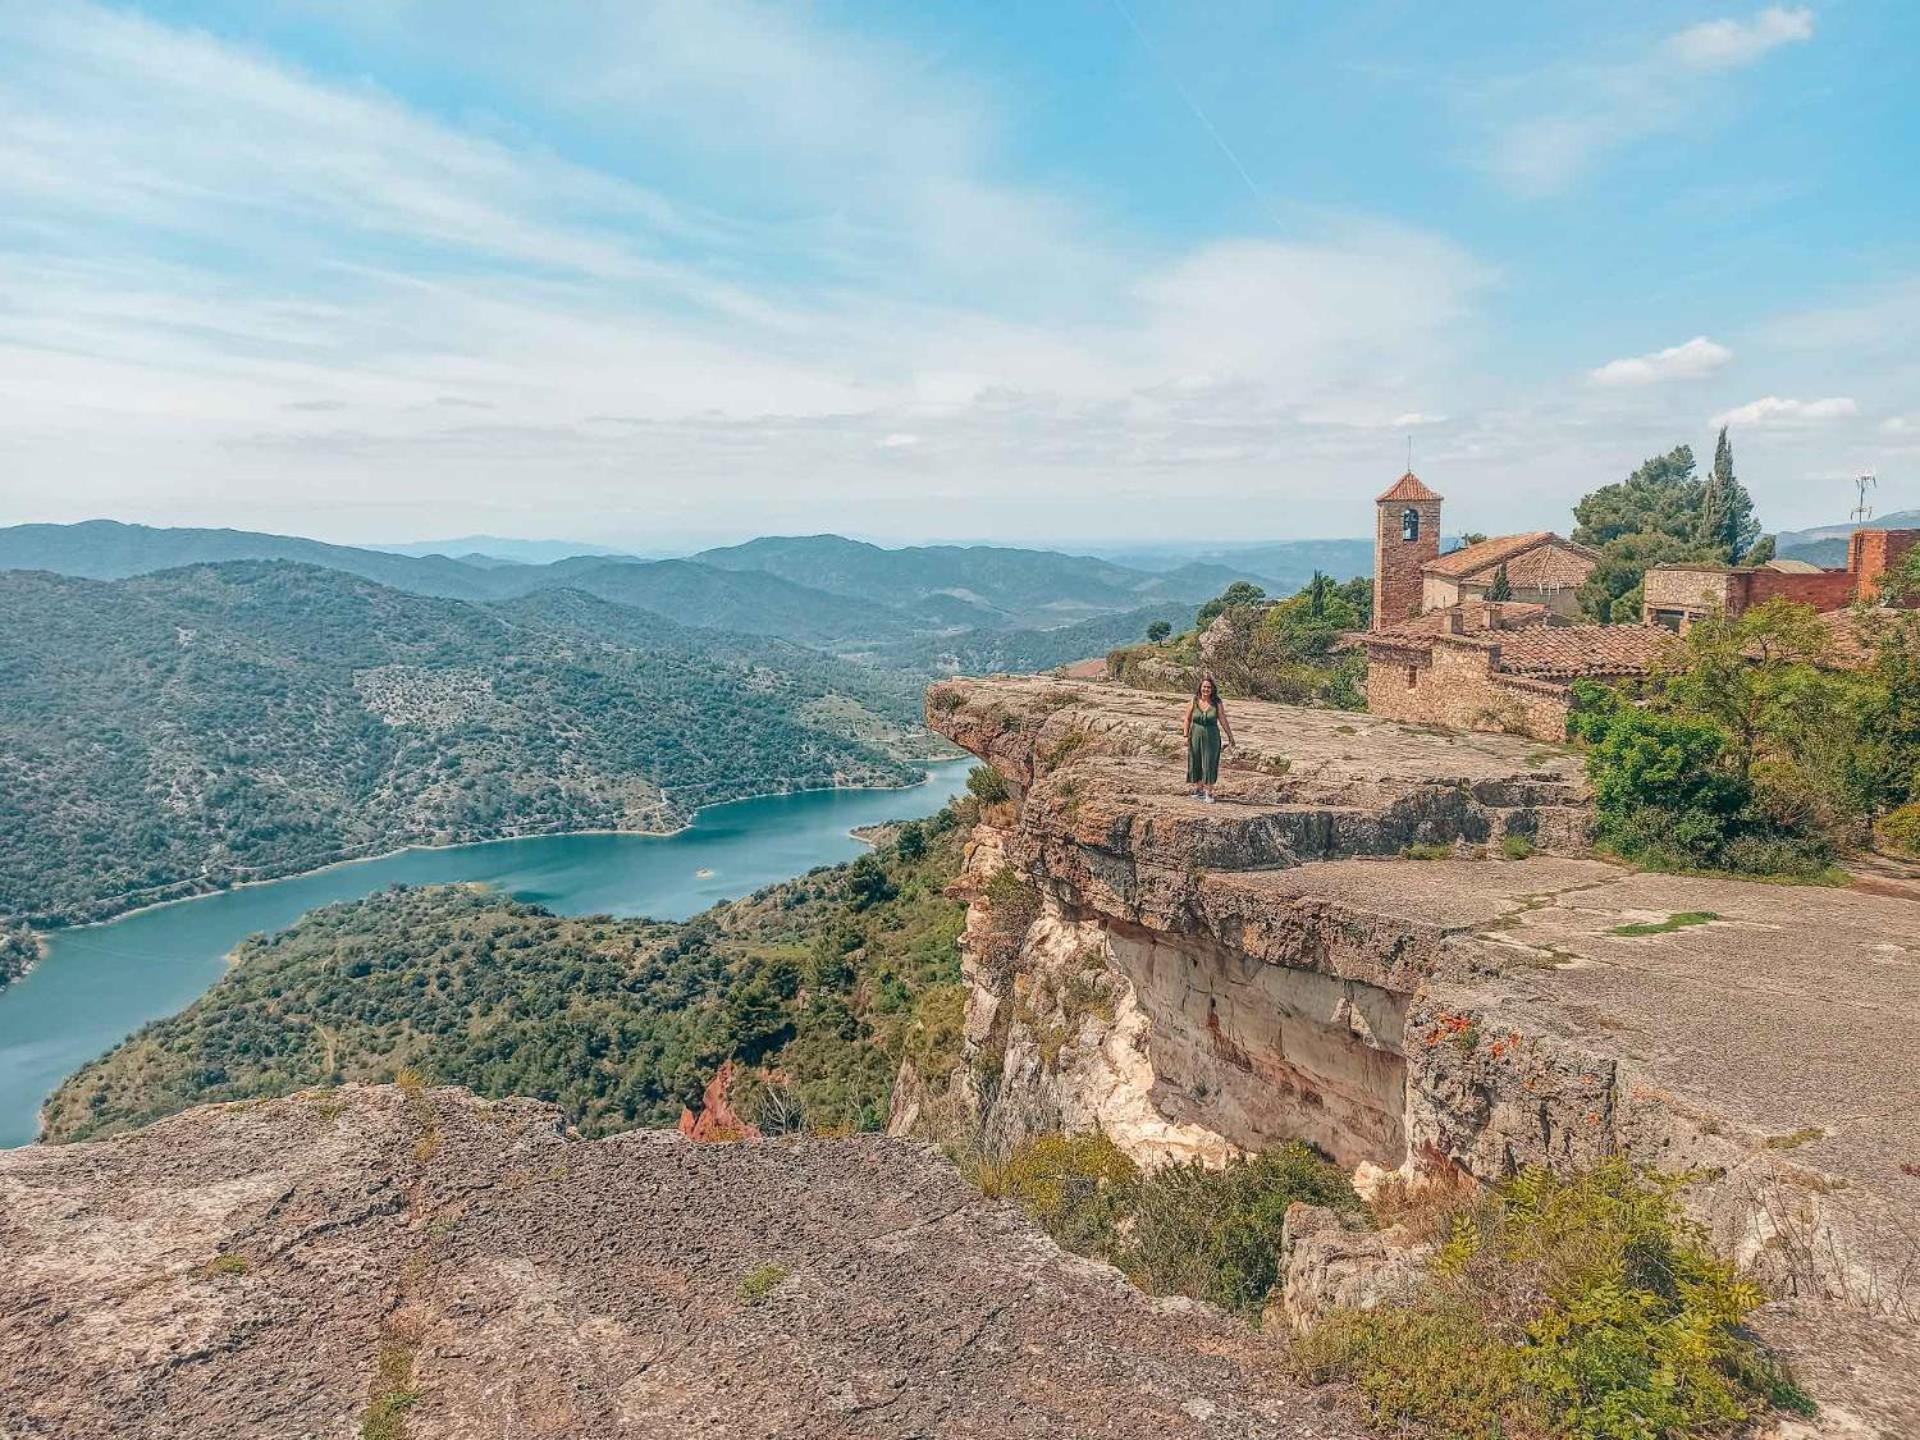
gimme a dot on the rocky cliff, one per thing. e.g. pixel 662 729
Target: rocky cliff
pixel 1195 979
pixel 385 1262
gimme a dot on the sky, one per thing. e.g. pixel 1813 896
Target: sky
pixel 1075 272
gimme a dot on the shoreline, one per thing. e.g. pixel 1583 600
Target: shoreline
pixel 43 936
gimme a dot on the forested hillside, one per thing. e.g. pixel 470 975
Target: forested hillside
pixel 816 987
pixel 832 594
pixel 173 733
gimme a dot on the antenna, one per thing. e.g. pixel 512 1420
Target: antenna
pixel 1862 507
pixel 1409 454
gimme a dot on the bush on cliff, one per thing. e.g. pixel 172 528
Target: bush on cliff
pixel 1209 1233
pixel 1586 1308
pixel 1747 750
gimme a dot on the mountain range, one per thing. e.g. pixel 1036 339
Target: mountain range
pixel 180 731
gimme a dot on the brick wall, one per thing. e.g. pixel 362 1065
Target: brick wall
pixel 1829 590
pixel 1872 553
pixel 1456 683
pixel 1397 581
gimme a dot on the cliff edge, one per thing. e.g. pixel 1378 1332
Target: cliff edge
pixel 448 1269
pixel 1197 979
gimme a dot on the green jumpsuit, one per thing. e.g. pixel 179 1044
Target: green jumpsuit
pixel 1203 746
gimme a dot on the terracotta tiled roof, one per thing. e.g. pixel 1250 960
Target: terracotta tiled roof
pixel 1508 615
pixel 1408 487
pixel 1561 565
pixel 1486 555
pixel 1550 654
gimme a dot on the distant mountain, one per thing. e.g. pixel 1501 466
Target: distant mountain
pixel 1032 587
pixel 714 599
pixel 166 734
pixel 472 548
pixel 1280 566
pixel 111 550
pixel 822 591
pixel 989 651
pixel 1826 545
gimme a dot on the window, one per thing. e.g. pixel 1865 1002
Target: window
pixel 1413 677
pixel 1409 524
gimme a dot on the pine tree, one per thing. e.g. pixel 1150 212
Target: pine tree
pixel 1502 587
pixel 1726 523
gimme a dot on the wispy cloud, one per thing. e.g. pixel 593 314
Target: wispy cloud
pixel 1602 107
pixel 1773 411
pixel 1694 360
pixel 1729 44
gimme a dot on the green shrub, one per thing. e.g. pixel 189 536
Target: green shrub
pixel 1214 1233
pixel 988 785
pixel 1516 847
pixel 760 1282
pixel 1075 1187
pixel 1900 830
pixel 1585 1308
pixel 1207 1233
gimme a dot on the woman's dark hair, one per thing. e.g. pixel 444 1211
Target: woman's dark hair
pixel 1200 689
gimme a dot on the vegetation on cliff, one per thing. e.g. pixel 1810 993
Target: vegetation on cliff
pixel 1586 1308
pixel 18 951
pixel 1287 650
pixel 1209 1234
pixel 1743 753
pixel 173 733
pixel 817 988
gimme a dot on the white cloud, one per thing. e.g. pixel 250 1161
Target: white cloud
pixel 1604 106
pixel 1775 411
pixel 1729 44
pixel 899 440
pixel 1697 358
pixel 1415 418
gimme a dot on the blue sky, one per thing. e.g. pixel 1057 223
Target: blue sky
pixel 1074 272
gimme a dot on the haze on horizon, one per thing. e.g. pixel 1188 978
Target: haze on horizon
pixel 654 276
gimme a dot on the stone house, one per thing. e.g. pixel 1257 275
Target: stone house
pixel 1542 569
pixel 1679 593
pixel 1504 668
pixel 1441 653
pixel 1411 577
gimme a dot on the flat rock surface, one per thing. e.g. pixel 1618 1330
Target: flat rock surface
pixel 243 1270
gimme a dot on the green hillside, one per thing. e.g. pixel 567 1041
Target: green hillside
pixel 172 733
pixel 1036 587
pixel 818 987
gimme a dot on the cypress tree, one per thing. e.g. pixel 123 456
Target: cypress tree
pixel 1502 587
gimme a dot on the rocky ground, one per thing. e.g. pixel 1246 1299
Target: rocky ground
pixel 1390 940
pixel 309 1266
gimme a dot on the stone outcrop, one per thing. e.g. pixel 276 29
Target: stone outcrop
pixel 1283 972
pixel 294 1267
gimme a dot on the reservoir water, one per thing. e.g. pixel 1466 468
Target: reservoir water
pixel 99 983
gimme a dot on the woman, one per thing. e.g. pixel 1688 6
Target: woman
pixel 1206 724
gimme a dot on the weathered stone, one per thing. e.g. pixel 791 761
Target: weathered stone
pixel 240 1271
pixel 1474 1014
pixel 1329 1263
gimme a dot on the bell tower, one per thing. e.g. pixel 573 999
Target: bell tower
pixel 1406 535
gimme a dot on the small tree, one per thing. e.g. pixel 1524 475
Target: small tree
pixel 1158 631
pixel 1240 592
pixel 1502 587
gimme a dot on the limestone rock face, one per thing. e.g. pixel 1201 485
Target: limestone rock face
pixel 1284 970
pixel 1329 1264
pixel 264 1271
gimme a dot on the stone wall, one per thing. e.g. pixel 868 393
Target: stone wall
pixel 1457 683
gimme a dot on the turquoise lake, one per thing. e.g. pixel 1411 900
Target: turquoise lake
pixel 99 983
